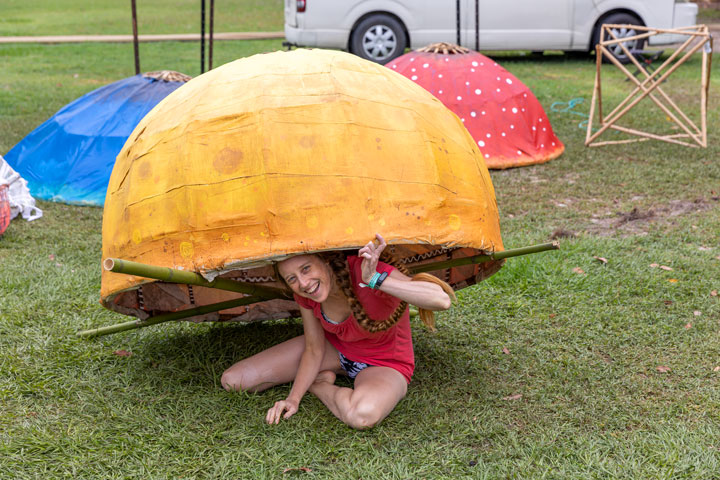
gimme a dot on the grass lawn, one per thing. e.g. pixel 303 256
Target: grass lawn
pixel 576 394
pixel 112 17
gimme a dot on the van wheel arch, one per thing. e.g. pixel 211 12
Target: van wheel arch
pixel 379 13
pixel 618 13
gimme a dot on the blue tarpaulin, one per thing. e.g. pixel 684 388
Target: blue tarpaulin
pixel 69 158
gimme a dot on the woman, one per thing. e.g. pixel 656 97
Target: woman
pixel 356 323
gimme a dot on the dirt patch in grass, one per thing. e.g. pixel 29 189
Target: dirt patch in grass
pixel 639 221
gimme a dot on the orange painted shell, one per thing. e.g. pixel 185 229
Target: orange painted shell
pixel 286 153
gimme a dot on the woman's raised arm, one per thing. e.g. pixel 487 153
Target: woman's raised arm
pixel 427 295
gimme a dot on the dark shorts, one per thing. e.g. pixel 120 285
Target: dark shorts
pixel 351 367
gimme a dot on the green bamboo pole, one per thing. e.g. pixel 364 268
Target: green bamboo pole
pixel 257 293
pixel 170 275
pixel 457 262
pixel 168 317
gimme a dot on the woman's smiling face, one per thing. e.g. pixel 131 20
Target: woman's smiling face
pixel 308 276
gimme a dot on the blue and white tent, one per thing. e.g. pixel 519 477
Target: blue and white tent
pixel 69 157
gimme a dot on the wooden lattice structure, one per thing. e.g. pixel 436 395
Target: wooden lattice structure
pixel 649 85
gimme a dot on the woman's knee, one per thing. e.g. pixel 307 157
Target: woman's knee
pixel 238 378
pixel 364 416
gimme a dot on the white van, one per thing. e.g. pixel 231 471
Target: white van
pixel 380 30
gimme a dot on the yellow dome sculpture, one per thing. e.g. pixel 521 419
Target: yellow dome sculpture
pixel 286 153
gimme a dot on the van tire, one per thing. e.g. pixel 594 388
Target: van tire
pixel 378 38
pixel 619 18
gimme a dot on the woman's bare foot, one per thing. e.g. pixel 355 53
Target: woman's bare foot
pixel 326 376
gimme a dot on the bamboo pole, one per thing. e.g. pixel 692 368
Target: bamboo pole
pixel 596 95
pixel 647 80
pixel 458 262
pixel 598 65
pixel 680 31
pixel 653 74
pixel 633 140
pixel 256 293
pixel 664 138
pixel 170 275
pixel 704 84
pixel 654 86
pixel 168 317
pixel 643 95
pixel 616 40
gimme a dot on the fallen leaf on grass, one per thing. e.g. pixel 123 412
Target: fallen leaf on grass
pixel 578 270
pixel 517 396
pixel 663 369
pixel 666 268
pixel 672 280
pixel 506 351
pixel 716 369
pixel 122 353
pixel 600 259
pixel 654 265
pixel 51 256
pixel 667 302
pixel 552 315
pixel 713 293
pixel 298 469
pixel 688 325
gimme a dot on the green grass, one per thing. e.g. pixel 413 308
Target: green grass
pixel 106 17
pixel 709 15
pixel 583 348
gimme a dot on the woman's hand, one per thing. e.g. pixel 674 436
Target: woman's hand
pixel 290 407
pixel 370 254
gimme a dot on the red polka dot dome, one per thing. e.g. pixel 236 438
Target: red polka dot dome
pixel 500 112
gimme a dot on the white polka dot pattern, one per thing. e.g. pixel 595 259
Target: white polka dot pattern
pixel 500 112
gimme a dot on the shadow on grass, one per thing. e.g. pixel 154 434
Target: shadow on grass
pixel 196 355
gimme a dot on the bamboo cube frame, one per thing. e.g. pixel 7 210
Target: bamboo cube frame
pixel 698 37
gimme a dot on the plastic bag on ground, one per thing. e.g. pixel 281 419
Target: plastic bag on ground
pixel 4 208
pixel 18 196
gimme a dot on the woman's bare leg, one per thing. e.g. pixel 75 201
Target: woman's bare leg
pixel 274 366
pixel 377 391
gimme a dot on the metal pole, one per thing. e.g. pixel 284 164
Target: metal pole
pixel 136 47
pixel 458 262
pixel 457 19
pixel 477 25
pixel 202 36
pixel 212 17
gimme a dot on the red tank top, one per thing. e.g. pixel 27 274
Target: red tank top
pixel 389 348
